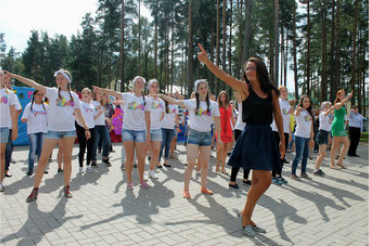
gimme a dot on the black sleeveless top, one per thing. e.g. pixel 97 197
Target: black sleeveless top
pixel 256 110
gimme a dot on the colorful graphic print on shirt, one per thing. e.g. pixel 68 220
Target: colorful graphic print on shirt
pixel 330 119
pixel 4 99
pixel 202 112
pixel 135 106
pixel 38 112
pixel 64 103
pixel 87 109
pixel 307 118
pixel 156 105
pixel 285 112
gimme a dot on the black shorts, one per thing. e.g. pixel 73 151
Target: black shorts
pixel 322 137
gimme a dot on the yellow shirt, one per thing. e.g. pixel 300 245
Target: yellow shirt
pixel 292 122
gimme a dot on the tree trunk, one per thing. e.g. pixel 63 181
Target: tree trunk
pixel 308 50
pixel 285 62
pixel 217 48
pixel 224 38
pixel 333 81
pixel 139 37
pixel 352 82
pixel 282 56
pixel 230 47
pixel 323 81
pixel 295 52
pixel 122 49
pixel 156 42
pixel 190 49
pixel 276 43
pixel 246 38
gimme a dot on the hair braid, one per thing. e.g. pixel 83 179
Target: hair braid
pixel 197 102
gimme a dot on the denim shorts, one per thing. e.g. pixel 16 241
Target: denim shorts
pixel 156 135
pixel 322 137
pixel 59 134
pixel 135 136
pixel 199 138
pixel 4 134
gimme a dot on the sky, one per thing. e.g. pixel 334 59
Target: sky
pixel 19 17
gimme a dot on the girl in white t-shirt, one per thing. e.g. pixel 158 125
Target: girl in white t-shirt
pixel 136 127
pixel 324 135
pixel 90 114
pixel 202 112
pixel 8 114
pixel 170 126
pixel 304 136
pixel 35 115
pixel 63 105
pixel 157 115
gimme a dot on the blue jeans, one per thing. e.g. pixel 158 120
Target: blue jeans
pixel 36 141
pixel 168 135
pixel 302 151
pixel 8 150
pixel 101 131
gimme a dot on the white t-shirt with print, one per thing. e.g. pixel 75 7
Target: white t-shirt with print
pixel 169 121
pixel 36 117
pixel 100 121
pixel 61 111
pixel 286 111
pixel 134 111
pixel 157 109
pixel 88 111
pixel 18 107
pixel 201 121
pixel 7 99
pixel 240 125
pixel 325 122
pixel 303 124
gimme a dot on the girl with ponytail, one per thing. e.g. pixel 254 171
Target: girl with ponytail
pixel 64 106
pixel 35 115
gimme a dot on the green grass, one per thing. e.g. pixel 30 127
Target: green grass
pixel 364 137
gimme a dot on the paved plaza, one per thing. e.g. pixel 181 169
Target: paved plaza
pixel 325 211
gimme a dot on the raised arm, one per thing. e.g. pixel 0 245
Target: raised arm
pixel 235 84
pixel 171 100
pixel 329 111
pixel 279 122
pixel 108 92
pixel 29 82
pixel 340 104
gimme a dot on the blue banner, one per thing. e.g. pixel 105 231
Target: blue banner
pixel 25 96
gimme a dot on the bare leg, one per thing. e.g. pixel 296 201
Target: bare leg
pixel 205 154
pixel 192 151
pixel 322 154
pixel 335 146
pixel 129 147
pixel 225 148
pixel 346 145
pixel 261 181
pixel 60 154
pixel 2 153
pixel 67 154
pixel 47 148
pixel 155 150
pixel 141 149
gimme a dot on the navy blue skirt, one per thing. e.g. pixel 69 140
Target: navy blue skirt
pixel 256 149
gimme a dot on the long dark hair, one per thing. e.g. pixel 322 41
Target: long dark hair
pixel 309 109
pixel 227 102
pixel 33 100
pixel 263 76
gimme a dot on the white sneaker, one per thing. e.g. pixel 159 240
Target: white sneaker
pixel 152 174
pixel 81 169
pixel 2 188
pixel 88 169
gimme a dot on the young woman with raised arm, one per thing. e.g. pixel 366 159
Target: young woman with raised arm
pixel 256 148
pixel 202 111
pixel 136 127
pixel 63 104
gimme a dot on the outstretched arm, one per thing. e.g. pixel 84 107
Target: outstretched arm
pixel 109 92
pixel 279 122
pixel 329 111
pixel 171 100
pixel 340 104
pixel 29 82
pixel 235 84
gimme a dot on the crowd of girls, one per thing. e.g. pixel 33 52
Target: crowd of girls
pixel 261 131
